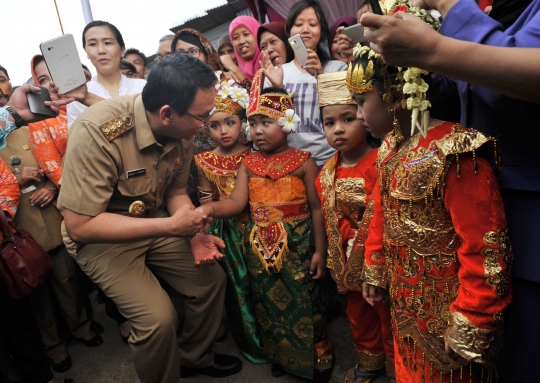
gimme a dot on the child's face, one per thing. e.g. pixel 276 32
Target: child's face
pixel 373 113
pixel 343 130
pixel 266 133
pixel 224 129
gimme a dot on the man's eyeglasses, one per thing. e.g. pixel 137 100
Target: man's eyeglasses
pixel 204 122
pixel 191 51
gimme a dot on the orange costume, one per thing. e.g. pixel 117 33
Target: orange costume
pixel 438 241
pixel 48 140
pixel 9 190
pixel 345 193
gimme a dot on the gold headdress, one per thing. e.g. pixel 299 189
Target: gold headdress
pixel 230 97
pixel 412 85
pixel 360 80
pixel 333 90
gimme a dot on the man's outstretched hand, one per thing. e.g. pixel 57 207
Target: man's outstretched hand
pixel 205 249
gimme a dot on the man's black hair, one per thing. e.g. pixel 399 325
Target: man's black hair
pixel 5 71
pixel 134 51
pixel 99 23
pixel 175 81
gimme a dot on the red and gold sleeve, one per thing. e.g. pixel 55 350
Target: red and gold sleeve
pixel 45 151
pixel 485 258
pixel 10 193
pixel 374 261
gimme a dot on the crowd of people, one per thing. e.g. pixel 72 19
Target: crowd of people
pixel 261 187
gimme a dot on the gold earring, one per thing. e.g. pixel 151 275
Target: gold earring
pixel 397 127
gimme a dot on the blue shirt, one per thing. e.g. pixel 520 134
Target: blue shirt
pixel 515 123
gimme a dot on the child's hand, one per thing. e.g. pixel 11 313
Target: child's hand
pixel 207 211
pixel 318 266
pixel 374 294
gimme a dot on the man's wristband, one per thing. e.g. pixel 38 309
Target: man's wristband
pixel 16 118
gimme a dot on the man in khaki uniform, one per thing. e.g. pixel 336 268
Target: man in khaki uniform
pixel 125 204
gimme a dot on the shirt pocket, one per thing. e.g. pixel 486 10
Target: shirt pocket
pixel 134 187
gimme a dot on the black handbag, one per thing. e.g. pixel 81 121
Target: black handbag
pixel 24 264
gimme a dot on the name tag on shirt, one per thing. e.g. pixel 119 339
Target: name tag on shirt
pixel 135 173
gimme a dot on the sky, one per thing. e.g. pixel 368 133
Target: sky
pixel 28 23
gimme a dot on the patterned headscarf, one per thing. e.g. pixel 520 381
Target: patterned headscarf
pixel 212 57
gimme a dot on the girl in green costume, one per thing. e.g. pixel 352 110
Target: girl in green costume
pixel 217 175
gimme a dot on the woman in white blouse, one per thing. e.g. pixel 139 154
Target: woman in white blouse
pixel 105 48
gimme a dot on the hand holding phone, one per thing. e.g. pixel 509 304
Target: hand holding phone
pixel 355 32
pixel 299 48
pixel 36 102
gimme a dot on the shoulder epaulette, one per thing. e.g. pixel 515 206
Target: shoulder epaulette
pixel 115 127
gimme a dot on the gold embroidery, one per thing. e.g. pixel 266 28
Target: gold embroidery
pixel 115 127
pixel 473 343
pixel 335 260
pixel 370 361
pixel 304 330
pixel 375 275
pixel 351 198
pixel 495 272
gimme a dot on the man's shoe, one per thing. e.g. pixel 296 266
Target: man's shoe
pixel 224 365
pixel 62 366
pixel 97 340
pixel 96 327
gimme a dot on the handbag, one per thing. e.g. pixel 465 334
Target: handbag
pixel 24 264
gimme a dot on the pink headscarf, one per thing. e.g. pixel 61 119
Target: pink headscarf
pixel 249 68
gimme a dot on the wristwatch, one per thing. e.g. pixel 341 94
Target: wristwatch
pixel 17 119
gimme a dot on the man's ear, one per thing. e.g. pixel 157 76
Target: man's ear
pixel 166 115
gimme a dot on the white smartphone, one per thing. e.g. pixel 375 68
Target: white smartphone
pixel 63 62
pixel 299 48
pixel 355 32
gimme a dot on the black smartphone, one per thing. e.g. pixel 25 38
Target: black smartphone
pixel 376 7
pixel 36 102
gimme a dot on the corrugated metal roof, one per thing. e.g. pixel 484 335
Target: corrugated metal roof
pixel 215 16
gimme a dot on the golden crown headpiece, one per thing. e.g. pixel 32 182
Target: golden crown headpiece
pixel 359 80
pixel 273 105
pixel 230 97
pixel 333 90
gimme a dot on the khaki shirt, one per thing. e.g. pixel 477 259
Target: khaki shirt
pixel 43 223
pixel 113 159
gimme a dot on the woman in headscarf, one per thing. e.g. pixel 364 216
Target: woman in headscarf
pixel 195 44
pixel 272 38
pixel 225 48
pixel 243 35
pixel 333 39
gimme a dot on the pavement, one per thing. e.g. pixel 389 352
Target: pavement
pixel 111 362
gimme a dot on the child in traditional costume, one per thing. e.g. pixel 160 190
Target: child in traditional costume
pixel 285 244
pixel 345 185
pixel 438 241
pixel 217 175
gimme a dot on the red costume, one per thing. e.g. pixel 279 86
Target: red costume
pixel 345 193
pixel 438 241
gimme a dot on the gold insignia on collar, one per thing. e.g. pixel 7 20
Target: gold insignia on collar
pixel 115 127
pixel 177 161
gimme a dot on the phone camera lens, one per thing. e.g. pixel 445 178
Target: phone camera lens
pixel 49 48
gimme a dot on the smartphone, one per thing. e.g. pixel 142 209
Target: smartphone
pixel 355 32
pixel 36 102
pixel 299 48
pixel 63 62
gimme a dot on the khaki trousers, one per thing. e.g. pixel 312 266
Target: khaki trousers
pixel 63 283
pixel 125 272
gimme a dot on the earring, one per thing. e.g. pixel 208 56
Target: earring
pixel 397 128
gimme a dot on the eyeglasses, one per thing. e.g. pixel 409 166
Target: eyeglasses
pixel 191 51
pixel 204 122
